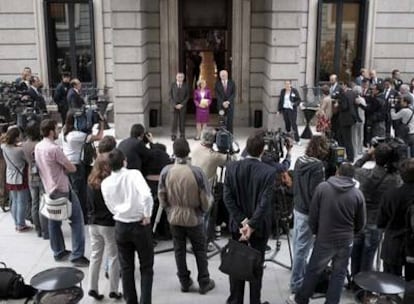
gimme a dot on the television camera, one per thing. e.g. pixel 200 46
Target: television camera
pixel 274 143
pixel 400 151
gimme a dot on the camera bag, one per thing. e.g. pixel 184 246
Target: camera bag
pixel 12 285
pixel 59 209
pixel 88 152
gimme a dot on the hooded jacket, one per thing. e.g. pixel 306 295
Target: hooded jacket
pixel 309 172
pixel 337 210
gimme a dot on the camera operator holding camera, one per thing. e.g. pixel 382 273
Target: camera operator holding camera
pixel 373 184
pixel 405 128
pixel 375 113
pixel 73 141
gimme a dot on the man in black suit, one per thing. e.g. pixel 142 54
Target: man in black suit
pixel 396 79
pixel 60 96
pixel 179 94
pixel 335 89
pixel 363 74
pixel 248 198
pixel 374 79
pixel 134 148
pixel 35 95
pixel 389 94
pixel 225 93
pixel 375 113
pixel 75 100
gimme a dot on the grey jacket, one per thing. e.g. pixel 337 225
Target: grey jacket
pixel 16 162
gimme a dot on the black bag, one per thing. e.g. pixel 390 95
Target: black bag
pixel 323 282
pixel 241 261
pixel 403 129
pixel 88 152
pixel 12 285
pixel 224 141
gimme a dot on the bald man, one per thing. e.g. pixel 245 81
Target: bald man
pixel 225 94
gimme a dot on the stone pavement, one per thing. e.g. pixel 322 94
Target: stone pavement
pixel 28 255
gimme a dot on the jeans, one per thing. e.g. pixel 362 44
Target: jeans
pixel 131 238
pixel 338 252
pixel 302 244
pixel 237 286
pixel 365 245
pixel 290 116
pixel 19 200
pixel 40 221
pixel 57 241
pixel 103 238
pixel 197 236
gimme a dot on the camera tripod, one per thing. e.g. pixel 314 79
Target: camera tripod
pixel 282 223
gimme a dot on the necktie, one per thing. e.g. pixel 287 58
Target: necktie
pixel 386 94
pixel 225 85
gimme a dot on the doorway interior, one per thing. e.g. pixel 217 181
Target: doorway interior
pixel 204 45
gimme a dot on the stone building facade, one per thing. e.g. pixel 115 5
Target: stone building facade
pixel 137 46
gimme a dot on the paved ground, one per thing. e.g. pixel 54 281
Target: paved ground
pixel 28 255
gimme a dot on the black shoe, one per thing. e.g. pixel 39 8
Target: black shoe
pixel 63 256
pixel 81 262
pixel 95 295
pixel 268 248
pixel 115 295
pixel 106 275
pixel 173 137
pixel 207 288
pixel 186 287
pixel 182 136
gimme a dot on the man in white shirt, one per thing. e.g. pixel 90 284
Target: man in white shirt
pixel 129 199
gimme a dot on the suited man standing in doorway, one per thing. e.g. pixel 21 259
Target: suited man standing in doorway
pixel 225 94
pixel 179 94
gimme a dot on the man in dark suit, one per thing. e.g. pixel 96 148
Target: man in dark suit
pixel 335 89
pixel 363 74
pixel 346 119
pixel 225 93
pixel 389 94
pixel 375 113
pixel 134 148
pixel 60 96
pixel 35 95
pixel 75 100
pixel 396 79
pixel 179 94
pixel 374 79
pixel 248 198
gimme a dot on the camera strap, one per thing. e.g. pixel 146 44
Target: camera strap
pixel 18 170
pixel 412 114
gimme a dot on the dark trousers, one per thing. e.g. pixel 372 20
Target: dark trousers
pixel 345 139
pixel 63 110
pixel 290 116
pixel 78 183
pixel 131 238
pixel 323 252
pixel 229 120
pixel 397 270
pixel 197 238
pixel 237 286
pixel 179 119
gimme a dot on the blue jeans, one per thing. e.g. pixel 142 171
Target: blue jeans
pixel 302 244
pixel 39 220
pixel 338 252
pixel 57 241
pixel 19 200
pixel 365 245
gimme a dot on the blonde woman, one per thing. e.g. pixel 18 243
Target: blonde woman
pixel 202 101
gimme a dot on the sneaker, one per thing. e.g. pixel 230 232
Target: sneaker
pixel 207 288
pixel 173 137
pixel 94 294
pixel 291 299
pixel 186 287
pixel 24 228
pixel 63 256
pixel 115 295
pixel 299 143
pixel 80 262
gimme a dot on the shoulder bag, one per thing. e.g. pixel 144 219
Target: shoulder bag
pixel 59 209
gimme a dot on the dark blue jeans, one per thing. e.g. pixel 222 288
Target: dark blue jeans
pixel 323 252
pixel 363 252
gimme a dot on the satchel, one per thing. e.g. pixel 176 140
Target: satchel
pixel 59 209
pixel 88 153
pixel 241 261
pixel 403 130
pixel 12 285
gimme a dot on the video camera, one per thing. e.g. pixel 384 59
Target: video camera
pixel 274 143
pixel 85 118
pixel 400 150
pixel 336 156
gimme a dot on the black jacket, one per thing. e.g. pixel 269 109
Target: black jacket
pixel 375 110
pixel 228 95
pixel 337 210
pixel 98 213
pixel 75 101
pixel 38 101
pixel 294 99
pixel 392 218
pixel 248 194
pixel 136 153
pixel 60 95
pixel 177 96
pixel 309 172
pixel 373 184
pixel 346 110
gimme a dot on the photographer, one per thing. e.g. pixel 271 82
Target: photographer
pixel 407 120
pixel 373 184
pixel 392 217
pixel 375 114
pixel 72 143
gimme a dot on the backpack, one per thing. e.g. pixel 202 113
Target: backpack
pixel 12 285
pixel 224 141
pixel 88 152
